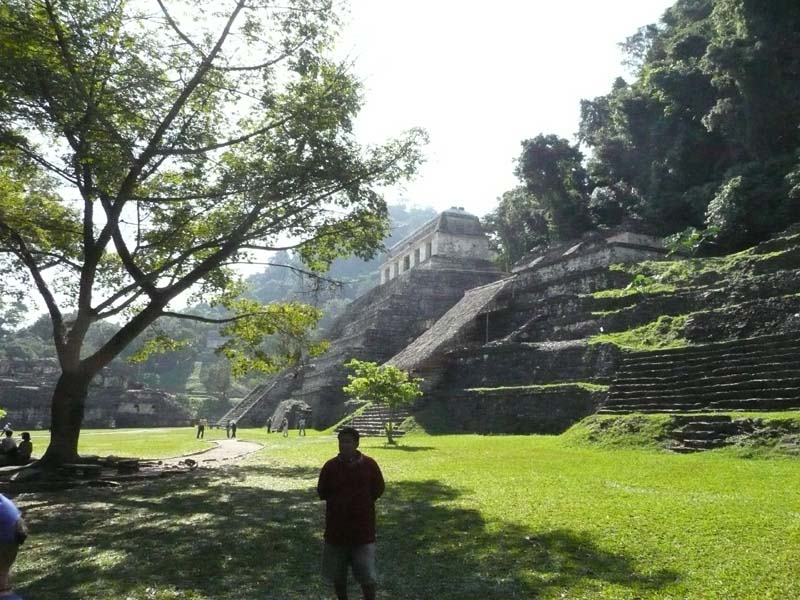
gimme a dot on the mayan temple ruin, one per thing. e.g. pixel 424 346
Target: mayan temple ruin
pixel 423 276
pixel 530 351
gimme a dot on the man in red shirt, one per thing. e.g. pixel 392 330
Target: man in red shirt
pixel 350 483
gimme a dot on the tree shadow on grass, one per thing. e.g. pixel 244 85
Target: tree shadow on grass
pixel 255 532
pixel 438 551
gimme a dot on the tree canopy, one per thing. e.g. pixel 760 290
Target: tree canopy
pixel 705 138
pixel 707 135
pixel 382 384
pixel 147 148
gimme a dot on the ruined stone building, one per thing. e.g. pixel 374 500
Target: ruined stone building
pixel 440 293
pixel 524 352
pixel 453 235
pixel 424 275
pixel 26 389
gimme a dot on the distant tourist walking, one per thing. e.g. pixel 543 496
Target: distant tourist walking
pixel 233 429
pixel 201 428
pixel 285 427
pixel 227 429
pixel 269 425
pixel 301 427
pixel 350 483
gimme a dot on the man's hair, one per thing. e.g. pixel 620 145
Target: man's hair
pixel 351 431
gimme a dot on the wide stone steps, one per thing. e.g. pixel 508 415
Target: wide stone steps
pixel 710 388
pixel 704 432
pixel 248 402
pixel 686 405
pixel 719 375
pixel 752 374
pixel 372 420
pixel 774 355
pixel 717 348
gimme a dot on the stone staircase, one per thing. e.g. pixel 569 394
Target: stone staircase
pixel 760 374
pixel 248 402
pixel 370 422
pixel 697 433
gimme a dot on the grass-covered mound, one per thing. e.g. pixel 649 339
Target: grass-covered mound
pixel 463 517
pixel 769 435
pixel 620 431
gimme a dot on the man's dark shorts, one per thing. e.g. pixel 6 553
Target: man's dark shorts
pixel 336 559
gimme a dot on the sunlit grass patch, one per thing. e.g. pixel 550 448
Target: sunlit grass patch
pixel 463 517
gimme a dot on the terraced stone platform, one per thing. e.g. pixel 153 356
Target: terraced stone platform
pixel 760 373
pixel 371 422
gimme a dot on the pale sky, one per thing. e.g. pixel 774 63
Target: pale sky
pixel 481 77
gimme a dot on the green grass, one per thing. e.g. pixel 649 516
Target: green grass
pixel 463 517
pixel 663 333
pixel 143 443
pixel 655 277
pixel 619 431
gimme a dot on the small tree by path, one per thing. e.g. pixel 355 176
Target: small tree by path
pixel 382 384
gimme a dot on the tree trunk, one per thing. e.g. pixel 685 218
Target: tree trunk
pixel 66 417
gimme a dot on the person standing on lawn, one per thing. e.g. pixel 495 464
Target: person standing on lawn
pixel 201 428
pixel 350 483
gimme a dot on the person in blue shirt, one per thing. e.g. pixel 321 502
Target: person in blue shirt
pixel 13 533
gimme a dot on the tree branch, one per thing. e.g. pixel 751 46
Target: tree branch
pixel 190 317
pixel 150 151
pixel 56 317
pixel 218 145
pixel 180 33
pixel 269 63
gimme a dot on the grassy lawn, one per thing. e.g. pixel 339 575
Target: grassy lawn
pixel 464 517
pixel 143 443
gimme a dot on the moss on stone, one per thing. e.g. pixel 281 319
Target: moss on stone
pixel 665 332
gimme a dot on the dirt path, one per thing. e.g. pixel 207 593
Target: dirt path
pixel 223 451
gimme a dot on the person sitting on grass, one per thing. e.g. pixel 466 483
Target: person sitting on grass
pixel 24 451
pixel 13 533
pixel 8 448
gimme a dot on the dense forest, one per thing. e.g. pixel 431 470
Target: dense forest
pixel 703 144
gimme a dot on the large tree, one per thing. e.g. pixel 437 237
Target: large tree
pixel 708 133
pixel 518 225
pixel 147 148
pixel 552 170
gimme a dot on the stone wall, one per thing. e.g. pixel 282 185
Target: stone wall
pixel 521 411
pixel 378 325
pixel 28 407
pixel 532 332
pixel 514 364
